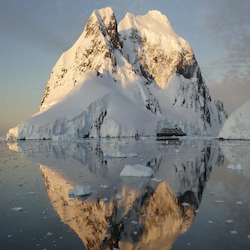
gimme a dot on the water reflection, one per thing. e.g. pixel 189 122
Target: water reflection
pixel 237 152
pixel 151 214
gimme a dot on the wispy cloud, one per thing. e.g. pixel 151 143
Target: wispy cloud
pixel 228 23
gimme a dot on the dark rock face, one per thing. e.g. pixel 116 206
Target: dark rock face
pixel 220 107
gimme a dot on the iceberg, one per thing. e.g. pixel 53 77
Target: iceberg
pixel 237 127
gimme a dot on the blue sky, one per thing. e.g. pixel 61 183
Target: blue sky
pixel 35 33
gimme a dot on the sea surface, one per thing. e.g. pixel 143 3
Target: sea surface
pixel 193 201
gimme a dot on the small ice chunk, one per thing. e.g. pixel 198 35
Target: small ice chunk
pixel 218 201
pixel 185 204
pixel 179 170
pixel 239 203
pixel 157 180
pixel 235 167
pixel 135 233
pixel 104 186
pixel 229 221
pixel 233 232
pixel 134 222
pixel 49 234
pixel 210 222
pixel 17 209
pixel 212 193
pixel 105 199
pixel 80 191
pixel 137 171
pixel 119 196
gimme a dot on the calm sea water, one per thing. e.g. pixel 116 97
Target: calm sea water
pixel 193 202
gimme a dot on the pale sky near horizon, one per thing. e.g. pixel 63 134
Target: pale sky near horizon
pixel 33 35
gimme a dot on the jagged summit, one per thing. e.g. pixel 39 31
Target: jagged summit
pixel 124 80
pixel 159 45
pixel 93 51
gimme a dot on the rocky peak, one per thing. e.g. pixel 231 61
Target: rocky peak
pixel 92 52
pixel 157 51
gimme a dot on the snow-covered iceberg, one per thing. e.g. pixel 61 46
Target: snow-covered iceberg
pixel 238 124
pixel 124 80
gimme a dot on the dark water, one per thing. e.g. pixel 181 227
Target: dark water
pixel 37 175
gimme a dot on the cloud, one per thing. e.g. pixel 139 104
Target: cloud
pixel 228 24
pixel 233 89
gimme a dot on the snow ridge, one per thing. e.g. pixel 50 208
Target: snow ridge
pixel 124 80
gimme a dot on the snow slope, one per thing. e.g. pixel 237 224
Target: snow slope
pixel 238 124
pixel 126 83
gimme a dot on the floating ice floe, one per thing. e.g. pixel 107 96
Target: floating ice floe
pixel 239 203
pixel 233 232
pixel 104 186
pixel 235 167
pixel 137 171
pixel 30 193
pixel 218 201
pixel 157 180
pixel 17 209
pixel 119 196
pixel 179 169
pixel 229 221
pixel 119 155
pixel 80 191
pixel 210 222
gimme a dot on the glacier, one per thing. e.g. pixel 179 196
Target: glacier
pixel 124 80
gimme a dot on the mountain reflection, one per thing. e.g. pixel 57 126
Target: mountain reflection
pixel 151 214
pixel 141 219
